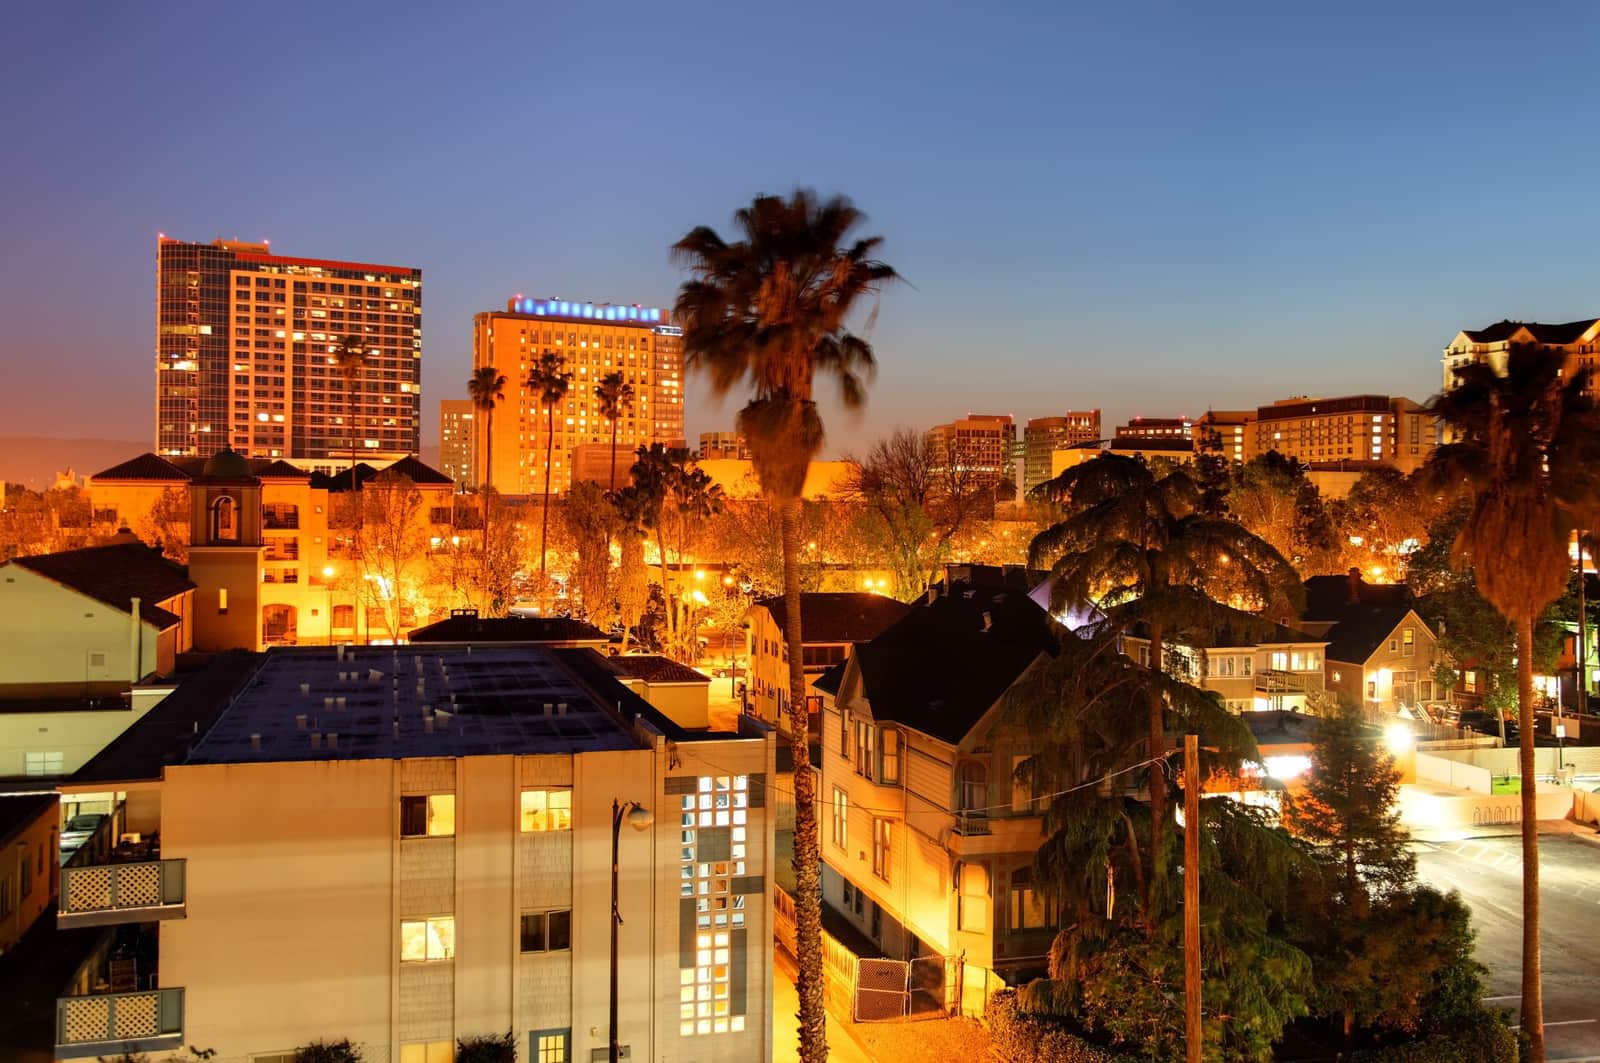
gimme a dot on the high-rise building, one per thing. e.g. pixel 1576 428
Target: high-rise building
pixel 1043 435
pixel 592 339
pixel 723 446
pixel 456 439
pixel 1579 339
pixel 1350 430
pixel 982 442
pixel 1156 428
pixel 1228 433
pixel 245 344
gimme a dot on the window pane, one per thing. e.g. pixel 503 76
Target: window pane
pixel 441 1052
pixel 413 941
pixel 413 817
pixel 533 932
pixel 442 814
pixel 442 938
pixel 560 925
pixel 413 1054
pixel 544 810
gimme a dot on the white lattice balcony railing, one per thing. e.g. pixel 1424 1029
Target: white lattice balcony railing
pixel 107 1024
pixel 102 894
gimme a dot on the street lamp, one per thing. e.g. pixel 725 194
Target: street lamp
pixel 639 818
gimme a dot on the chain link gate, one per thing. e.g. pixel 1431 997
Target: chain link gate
pixel 882 989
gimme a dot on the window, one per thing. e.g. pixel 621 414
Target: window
pixel 546 931
pixel 973 909
pixel 882 846
pixel 546 810
pixel 429 1052
pixel 26 886
pixel 38 764
pixel 1469 681
pixel 1029 909
pixel 550 1046
pixel 422 940
pixel 1280 660
pixel 854 899
pixel 1222 666
pixel 889 765
pixel 1245 665
pixel 841 818
pixel 866 747
pixel 844 733
pixel 433 815
pixel 1408 641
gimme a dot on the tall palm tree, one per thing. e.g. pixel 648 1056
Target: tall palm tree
pixel 773 307
pixel 615 395
pixel 1137 547
pixel 486 387
pixel 1524 447
pixel 653 471
pixel 350 358
pixel 549 380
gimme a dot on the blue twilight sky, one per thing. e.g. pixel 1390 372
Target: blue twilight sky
pixel 1151 208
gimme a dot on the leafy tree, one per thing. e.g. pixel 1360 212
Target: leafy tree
pixel 633 585
pixel 774 307
pixel 390 543
pixel 615 395
pixel 1524 450
pixel 591 520
pixel 548 379
pixel 1134 545
pixel 349 359
pixel 341 1051
pixel 167 524
pixel 494 1048
pixel 486 388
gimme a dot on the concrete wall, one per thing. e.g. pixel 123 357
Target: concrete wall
pixel 61 643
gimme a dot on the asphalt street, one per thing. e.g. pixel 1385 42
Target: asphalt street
pixel 1488 873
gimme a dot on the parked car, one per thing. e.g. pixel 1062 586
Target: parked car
pixel 79 829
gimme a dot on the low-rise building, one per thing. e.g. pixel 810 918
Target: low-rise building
pixel 406 847
pixel 1042 436
pixel 29 871
pixel 723 446
pixel 1172 447
pixel 681 693
pixel 1381 654
pixel 1254 672
pixel 1350 431
pixel 1156 428
pixel 831 623
pixel 1229 433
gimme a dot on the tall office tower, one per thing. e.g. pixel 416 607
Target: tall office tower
pixel 456 439
pixel 592 340
pixel 1042 435
pixel 245 344
pixel 984 442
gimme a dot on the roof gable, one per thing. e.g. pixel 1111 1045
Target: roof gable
pixel 114 575
pixel 147 466
pixel 1366 628
pixel 832 617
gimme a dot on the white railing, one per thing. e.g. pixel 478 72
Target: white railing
pixel 100 893
pixel 116 1023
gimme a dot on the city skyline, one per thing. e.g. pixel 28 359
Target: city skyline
pixel 1104 214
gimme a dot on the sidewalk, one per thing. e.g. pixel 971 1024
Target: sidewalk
pixel 842 1044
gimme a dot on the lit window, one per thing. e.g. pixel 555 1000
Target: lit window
pixel 551 1046
pixel 546 810
pixel 841 818
pixel 433 815
pixel 429 1052
pixel 882 845
pixel 422 940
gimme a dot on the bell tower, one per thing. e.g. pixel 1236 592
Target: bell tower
pixel 225 554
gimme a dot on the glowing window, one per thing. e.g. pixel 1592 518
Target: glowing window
pixel 546 810
pixel 433 815
pixel 423 940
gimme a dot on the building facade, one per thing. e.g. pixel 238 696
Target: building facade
pixel 1580 340
pixel 592 340
pixel 456 439
pixel 731 446
pixel 1156 428
pixel 244 354
pixel 983 443
pixel 1043 435
pixel 464 886
pixel 1228 433
pixel 1350 430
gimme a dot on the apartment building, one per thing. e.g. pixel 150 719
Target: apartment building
pixel 1359 430
pixel 981 442
pixel 1229 433
pixel 409 847
pixel 457 418
pixel 927 840
pixel 592 341
pixel 1156 428
pixel 1580 340
pixel 831 623
pixel 245 355
pixel 729 446
pixel 1041 436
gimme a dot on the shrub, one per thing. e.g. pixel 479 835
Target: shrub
pixel 490 1048
pixel 1482 1040
pixel 341 1051
pixel 1016 1036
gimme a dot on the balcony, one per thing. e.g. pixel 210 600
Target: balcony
pixel 1277 681
pixel 117 1024
pixel 132 892
pixel 971 824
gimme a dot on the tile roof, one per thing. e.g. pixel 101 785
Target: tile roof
pixel 147 466
pixel 1566 332
pixel 654 668
pixel 946 662
pixel 842 616
pixel 278 469
pixel 114 574
pixel 418 472
pixel 468 626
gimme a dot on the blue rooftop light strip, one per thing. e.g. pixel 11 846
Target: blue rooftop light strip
pixel 586 311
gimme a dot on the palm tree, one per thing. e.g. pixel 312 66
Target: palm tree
pixel 653 472
pixel 549 381
pixel 486 387
pixel 615 394
pixel 773 306
pixel 1525 447
pixel 349 358
pixel 1137 547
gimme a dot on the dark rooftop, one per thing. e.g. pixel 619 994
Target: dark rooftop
pixel 147 466
pixel 843 616
pixel 115 574
pixel 19 811
pixel 997 577
pixel 1566 332
pixel 465 625
pixel 945 663
pixel 654 668
pixel 1328 597
pixel 1363 629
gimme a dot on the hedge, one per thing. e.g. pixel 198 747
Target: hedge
pixel 1018 1037
pixel 1486 1040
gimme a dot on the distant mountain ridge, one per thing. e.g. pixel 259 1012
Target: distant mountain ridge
pixel 35 461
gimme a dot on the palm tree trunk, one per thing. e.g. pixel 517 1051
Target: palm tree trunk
pixel 809 983
pixel 488 447
pixel 666 593
pixel 1532 1018
pixel 350 416
pixel 1158 774
pixel 544 518
pixel 613 486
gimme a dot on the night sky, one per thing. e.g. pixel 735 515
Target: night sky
pixel 1148 208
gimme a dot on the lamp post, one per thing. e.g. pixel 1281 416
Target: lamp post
pixel 639 818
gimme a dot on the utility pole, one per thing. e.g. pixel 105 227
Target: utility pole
pixel 1191 897
pixel 1583 635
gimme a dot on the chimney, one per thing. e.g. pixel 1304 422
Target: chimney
pixel 988 620
pixel 135 649
pixel 255 743
pixel 1354 576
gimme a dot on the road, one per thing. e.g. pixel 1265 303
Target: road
pixel 1488 872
